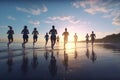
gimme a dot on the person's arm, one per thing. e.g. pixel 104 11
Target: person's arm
pixel 22 32
pixel 63 34
pixel 50 32
pixel 13 32
pixel 7 32
pixel 32 32
pixel 28 31
pixel 56 31
pixel 37 32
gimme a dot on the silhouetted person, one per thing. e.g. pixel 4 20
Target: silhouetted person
pixel 25 33
pixel 24 66
pixel 65 34
pixel 75 54
pixel 46 55
pixel 58 39
pixel 65 61
pixel 35 36
pixel 87 53
pixel 53 33
pixel 46 39
pixel 10 61
pixel 93 55
pixel 35 60
pixel 10 35
pixel 75 39
pixel 52 65
pixel 93 36
pixel 87 39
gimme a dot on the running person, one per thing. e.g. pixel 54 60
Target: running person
pixel 46 39
pixel 75 39
pixel 93 36
pixel 53 33
pixel 87 38
pixel 35 35
pixel 25 33
pixel 10 35
pixel 65 34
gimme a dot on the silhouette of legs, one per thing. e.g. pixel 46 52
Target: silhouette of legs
pixel 9 41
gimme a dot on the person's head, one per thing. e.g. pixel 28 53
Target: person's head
pixel 53 27
pixel 35 29
pixel 25 27
pixel 75 33
pixel 46 33
pixel 92 31
pixel 65 29
pixel 10 27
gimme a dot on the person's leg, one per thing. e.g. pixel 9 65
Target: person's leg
pixel 52 42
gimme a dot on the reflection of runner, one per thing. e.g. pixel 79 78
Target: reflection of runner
pixel 93 36
pixel 35 35
pixel 75 38
pixel 25 33
pixel 93 55
pixel 65 34
pixel 53 33
pixel 46 39
pixel 10 35
pixel 87 38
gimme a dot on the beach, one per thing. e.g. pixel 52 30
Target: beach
pixel 80 63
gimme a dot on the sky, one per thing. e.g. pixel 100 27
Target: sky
pixel 78 16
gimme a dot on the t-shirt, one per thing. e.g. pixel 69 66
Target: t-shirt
pixel 65 34
pixel 35 33
pixel 25 31
pixel 92 36
pixel 10 32
pixel 46 36
pixel 53 32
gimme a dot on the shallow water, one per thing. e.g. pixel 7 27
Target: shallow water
pixel 102 62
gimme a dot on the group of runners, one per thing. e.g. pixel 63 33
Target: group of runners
pixel 53 37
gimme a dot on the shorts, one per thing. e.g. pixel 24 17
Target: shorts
pixel 25 36
pixel 35 37
pixel 10 37
pixel 53 37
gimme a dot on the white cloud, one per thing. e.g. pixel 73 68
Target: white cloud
pixel 110 7
pixel 3 27
pixel 116 20
pixel 11 18
pixel 70 19
pixel 32 11
pixel 34 23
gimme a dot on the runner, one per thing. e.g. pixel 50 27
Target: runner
pixel 10 35
pixel 46 39
pixel 35 36
pixel 87 38
pixel 75 39
pixel 53 33
pixel 65 34
pixel 25 33
pixel 93 36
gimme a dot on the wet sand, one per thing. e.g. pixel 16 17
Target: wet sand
pixel 102 62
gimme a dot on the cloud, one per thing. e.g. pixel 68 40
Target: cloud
pixel 116 20
pixel 70 19
pixel 32 11
pixel 3 27
pixel 105 7
pixel 34 23
pixel 11 18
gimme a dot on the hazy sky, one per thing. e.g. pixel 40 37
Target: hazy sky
pixel 79 16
